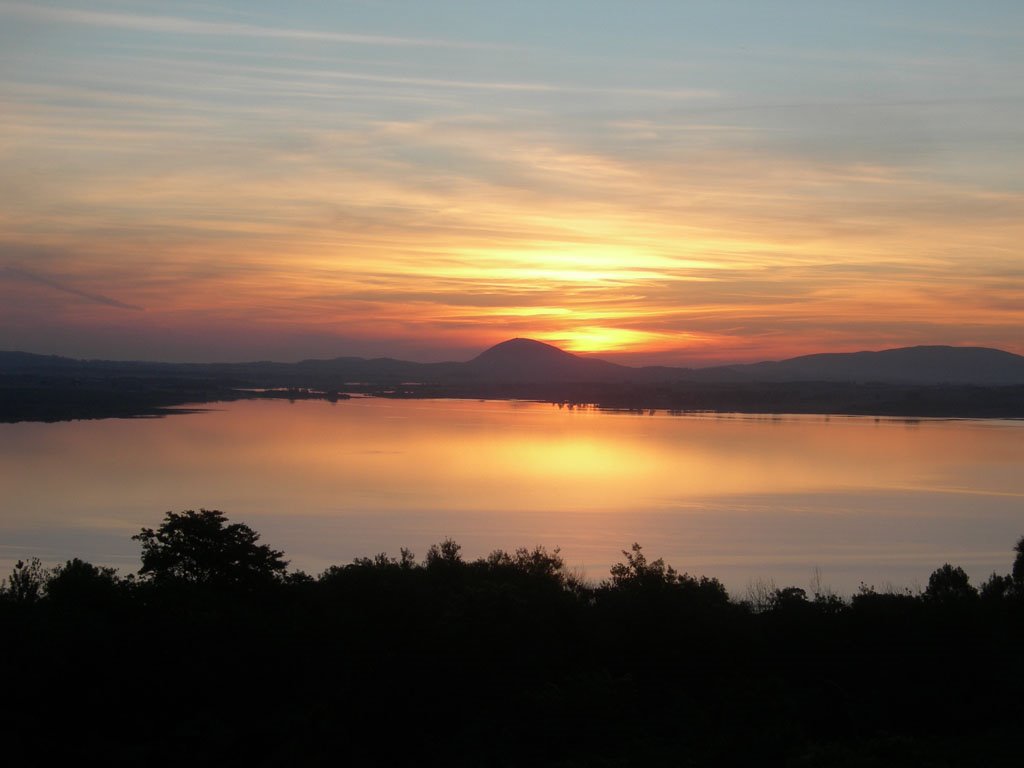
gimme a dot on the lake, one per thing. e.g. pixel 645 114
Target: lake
pixel 739 497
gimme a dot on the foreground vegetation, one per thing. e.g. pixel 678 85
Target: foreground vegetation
pixel 214 652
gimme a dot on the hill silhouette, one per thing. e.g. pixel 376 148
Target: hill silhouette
pixel 523 351
pixel 535 360
pixel 917 365
pixel 527 360
pixel 935 381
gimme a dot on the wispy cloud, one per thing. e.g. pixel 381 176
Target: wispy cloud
pixel 22 274
pixel 186 26
pixel 302 76
pixel 320 183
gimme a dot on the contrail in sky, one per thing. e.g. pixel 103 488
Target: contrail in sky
pixel 21 274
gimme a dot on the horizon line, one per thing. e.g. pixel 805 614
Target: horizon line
pixel 587 355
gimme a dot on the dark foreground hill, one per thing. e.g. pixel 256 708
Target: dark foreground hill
pixel 915 381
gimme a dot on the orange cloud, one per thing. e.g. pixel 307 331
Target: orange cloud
pixel 296 199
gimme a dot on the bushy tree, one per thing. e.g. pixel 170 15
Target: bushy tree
pixel 447 554
pixel 1018 565
pixel 638 572
pixel 406 561
pixel 654 577
pixel 202 548
pixel 789 598
pixel 996 587
pixel 27 581
pixel 949 584
pixel 536 562
pixel 80 582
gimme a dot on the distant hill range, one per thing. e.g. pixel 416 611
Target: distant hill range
pixel 908 365
pixel 527 361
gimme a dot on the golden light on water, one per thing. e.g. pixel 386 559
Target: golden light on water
pixel 728 496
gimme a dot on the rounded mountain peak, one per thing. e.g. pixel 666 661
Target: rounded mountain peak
pixel 522 351
pixel 528 360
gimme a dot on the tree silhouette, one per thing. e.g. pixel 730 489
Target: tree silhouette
pixel 949 584
pixel 1018 564
pixel 996 587
pixel 789 598
pixel 447 554
pixel 80 582
pixel 536 562
pixel 27 581
pixel 637 572
pixel 202 548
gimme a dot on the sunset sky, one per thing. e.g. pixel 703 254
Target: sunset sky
pixel 662 182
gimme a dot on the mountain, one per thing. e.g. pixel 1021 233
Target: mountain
pixel 907 365
pixel 526 361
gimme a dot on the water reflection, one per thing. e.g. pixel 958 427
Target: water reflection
pixel 731 496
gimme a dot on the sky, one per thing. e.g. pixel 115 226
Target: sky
pixel 684 183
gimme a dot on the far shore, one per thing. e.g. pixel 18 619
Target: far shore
pixel 65 398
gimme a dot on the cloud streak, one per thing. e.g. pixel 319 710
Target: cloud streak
pixel 605 185
pixel 185 26
pixel 97 298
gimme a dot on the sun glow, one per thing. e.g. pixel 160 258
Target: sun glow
pixel 202 204
pixel 597 339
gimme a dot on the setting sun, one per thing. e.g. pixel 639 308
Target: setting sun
pixel 598 339
pixel 581 366
pixel 297 191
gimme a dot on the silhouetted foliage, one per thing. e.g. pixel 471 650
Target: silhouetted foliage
pixel 639 575
pixel 867 593
pixel 405 561
pixel 1018 565
pixel 82 582
pixel 760 595
pixel 536 562
pixel 949 584
pixel 27 581
pixel 201 547
pixel 530 665
pixel 447 554
pixel 826 601
pixel 637 572
pixel 997 587
pixel 789 598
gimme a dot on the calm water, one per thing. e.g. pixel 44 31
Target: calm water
pixel 736 497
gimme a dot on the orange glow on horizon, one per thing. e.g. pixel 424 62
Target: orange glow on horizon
pixel 597 340
pixel 414 218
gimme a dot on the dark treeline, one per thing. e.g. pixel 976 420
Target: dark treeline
pixel 215 653
pixel 34 388
pixel 54 398
pixel 804 397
